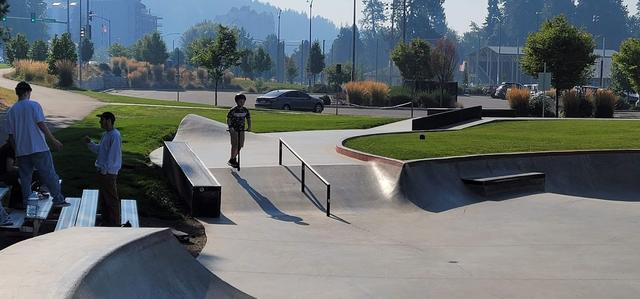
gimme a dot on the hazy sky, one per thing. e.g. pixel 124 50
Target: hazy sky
pixel 459 12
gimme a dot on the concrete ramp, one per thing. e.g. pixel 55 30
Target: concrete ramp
pixel 107 263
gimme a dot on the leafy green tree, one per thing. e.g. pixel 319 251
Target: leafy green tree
pixel 316 61
pixel 216 55
pixel 18 48
pixel 262 62
pixel 118 50
pixel 86 50
pixel 627 63
pixel 39 51
pixel 198 31
pixel 4 9
pixel 443 63
pixel 620 82
pixel 336 79
pixel 153 49
pixel 62 48
pixel 567 51
pixel 604 18
pixel 292 69
pixel 413 60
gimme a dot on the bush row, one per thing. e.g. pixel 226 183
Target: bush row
pixel 370 93
pixel 38 71
pixel 600 104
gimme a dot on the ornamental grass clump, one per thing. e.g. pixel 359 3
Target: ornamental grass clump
pixel 577 104
pixel 66 70
pixel 31 71
pixel 367 93
pixel 604 102
pixel 518 99
pixel 356 93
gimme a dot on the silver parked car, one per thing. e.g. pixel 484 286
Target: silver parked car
pixel 290 100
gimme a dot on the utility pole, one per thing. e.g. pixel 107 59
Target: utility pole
pixel 324 57
pixel 602 63
pixel 393 39
pixel 309 64
pixel 353 56
pixel 499 49
pixel 278 49
pixel 302 63
pixel 404 21
pixel 68 17
pixel 80 45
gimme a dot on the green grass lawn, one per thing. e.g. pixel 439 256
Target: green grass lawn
pixel 7 97
pixel 506 137
pixel 4 66
pixel 113 98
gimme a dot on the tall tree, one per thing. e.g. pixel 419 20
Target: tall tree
pixel 492 21
pixel 554 8
pixel 62 48
pixel 521 17
pixel 216 55
pixel 443 64
pixel 17 48
pixel 316 61
pixel 39 51
pixel 627 63
pixel 4 9
pixel 86 49
pixel 198 31
pixel 247 63
pixel 262 62
pixel 154 50
pixel 426 19
pixel 373 16
pixel 118 50
pixel 604 18
pixel 292 69
pixel 414 60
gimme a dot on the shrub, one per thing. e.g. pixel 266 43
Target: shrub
pixel 518 99
pixel 356 93
pixel 227 77
pixel 378 93
pixel 66 69
pixel 158 73
pixel 399 95
pixel 536 103
pixel 30 70
pixel 577 105
pixel 139 78
pixel 104 68
pixel 604 102
pixel 171 75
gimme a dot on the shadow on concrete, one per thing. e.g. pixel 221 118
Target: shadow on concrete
pixel 222 220
pixel 308 193
pixel 265 204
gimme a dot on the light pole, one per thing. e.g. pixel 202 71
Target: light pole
pixel 278 48
pixel 596 21
pixel 173 48
pixel 353 56
pixel 309 64
pixel 68 18
pixel 404 21
pixel 538 13
pixel 80 44
pixel 499 48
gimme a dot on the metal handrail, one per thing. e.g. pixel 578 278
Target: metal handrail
pixel 304 166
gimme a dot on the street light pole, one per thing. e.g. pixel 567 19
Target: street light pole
pixel 80 44
pixel 499 49
pixel 309 64
pixel 278 48
pixel 602 62
pixel 404 21
pixel 68 17
pixel 353 56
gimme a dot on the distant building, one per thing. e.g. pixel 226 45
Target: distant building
pixel 130 20
pixel 483 66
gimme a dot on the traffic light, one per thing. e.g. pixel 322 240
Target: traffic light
pixel 33 17
pixel 82 31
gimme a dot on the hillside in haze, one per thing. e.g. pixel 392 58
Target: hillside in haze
pixel 259 19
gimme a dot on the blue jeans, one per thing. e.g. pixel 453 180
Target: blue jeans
pixel 48 177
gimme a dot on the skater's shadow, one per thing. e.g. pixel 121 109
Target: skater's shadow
pixel 265 204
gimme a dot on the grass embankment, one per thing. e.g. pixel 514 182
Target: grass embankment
pixel 7 97
pixel 4 66
pixel 505 137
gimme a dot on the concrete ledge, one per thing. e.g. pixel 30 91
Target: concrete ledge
pixel 107 263
pixel 362 156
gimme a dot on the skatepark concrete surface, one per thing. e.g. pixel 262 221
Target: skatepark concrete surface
pixel 107 263
pixel 417 231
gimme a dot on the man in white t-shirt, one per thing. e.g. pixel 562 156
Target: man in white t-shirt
pixel 28 134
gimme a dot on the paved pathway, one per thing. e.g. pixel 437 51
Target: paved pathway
pixel 62 108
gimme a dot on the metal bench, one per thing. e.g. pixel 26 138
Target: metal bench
pixel 193 181
pixel 129 212
pixel 518 182
pixel 69 214
pixel 42 212
pixel 88 209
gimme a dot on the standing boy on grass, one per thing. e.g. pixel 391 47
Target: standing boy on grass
pixel 236 120
pixel 108 164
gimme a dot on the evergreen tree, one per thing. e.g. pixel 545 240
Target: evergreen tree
pixel 373 16
pixel 521 17
pixel 292 69
pixel 316 61
pixel 39 51
pixel 426 19
pixel 153 49
pixel 492 21
pixel 62 48
pixel 118 50
pixel 246 63
pixel 262 62
pixel 4 9
pixel 86 50
pixel 17 48
pixel 554 8
pixel 606 18
pixel 342 46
